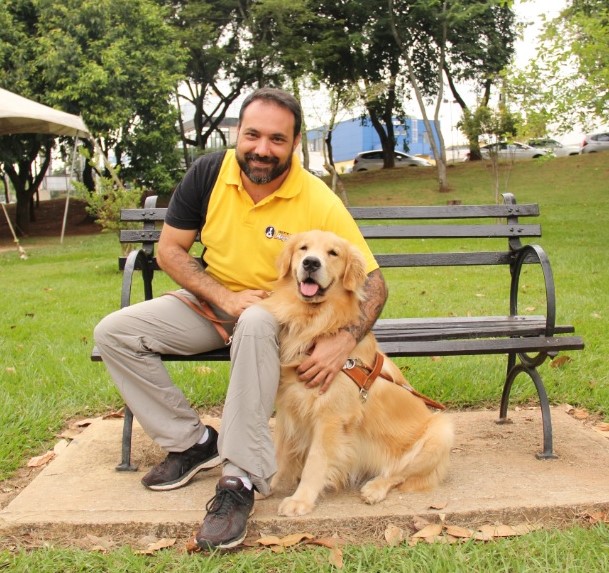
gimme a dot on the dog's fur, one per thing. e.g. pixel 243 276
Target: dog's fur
pixel 332 440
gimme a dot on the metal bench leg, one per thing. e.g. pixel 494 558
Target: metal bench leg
pixel 546 416
pixel 125 465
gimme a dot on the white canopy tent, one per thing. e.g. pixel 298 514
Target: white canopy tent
pixel 19 115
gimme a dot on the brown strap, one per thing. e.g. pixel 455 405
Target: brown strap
pixel 203 309
pixel 364 377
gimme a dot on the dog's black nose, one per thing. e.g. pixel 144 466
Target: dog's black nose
pixel 311 264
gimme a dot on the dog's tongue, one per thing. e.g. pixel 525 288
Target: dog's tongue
pixel 309 288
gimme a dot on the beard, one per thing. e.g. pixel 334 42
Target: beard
pixel 259 175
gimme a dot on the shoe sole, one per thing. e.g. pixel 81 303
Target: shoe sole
pixel 208 546
pixel 184 479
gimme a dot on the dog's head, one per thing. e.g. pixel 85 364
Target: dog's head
pixel 320 261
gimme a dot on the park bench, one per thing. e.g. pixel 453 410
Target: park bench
pixel 527 340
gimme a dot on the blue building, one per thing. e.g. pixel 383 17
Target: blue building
pixel 353 136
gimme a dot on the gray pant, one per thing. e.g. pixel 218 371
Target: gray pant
pixel 130 341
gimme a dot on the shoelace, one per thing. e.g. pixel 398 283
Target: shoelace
pixel 225 499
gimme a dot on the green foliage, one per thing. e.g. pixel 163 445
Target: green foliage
pixel 568 83
pixel 106 203
pixel 489 124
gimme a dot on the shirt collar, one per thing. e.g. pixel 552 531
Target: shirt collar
pixel 289 188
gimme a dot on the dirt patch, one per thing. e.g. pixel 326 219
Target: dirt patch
pixel 49 220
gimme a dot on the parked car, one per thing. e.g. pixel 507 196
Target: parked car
pixel 594 142
pixel 557 148
pixel 371 160
pixel 511 151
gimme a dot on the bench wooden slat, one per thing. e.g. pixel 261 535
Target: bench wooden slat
pixel 393 232
pixel 396 212
pixel 478 346
pixel 449 231
pixel 446 212
pixel 388 329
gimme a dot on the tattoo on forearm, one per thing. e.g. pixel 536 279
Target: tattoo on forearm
pixel 371 307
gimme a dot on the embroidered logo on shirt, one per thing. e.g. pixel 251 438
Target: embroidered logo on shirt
pixel 272 233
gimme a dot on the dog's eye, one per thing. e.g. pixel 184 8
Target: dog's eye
pixel 333 253
pixel 304 248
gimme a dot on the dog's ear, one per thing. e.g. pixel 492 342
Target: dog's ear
pixel 285 258
pixel 355 270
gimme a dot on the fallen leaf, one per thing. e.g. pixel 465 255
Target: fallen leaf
pixel 596 517
pixel 438 505
pixel 394 535
pixel 203 370
pixel 294 539
pixel 482 536
pixel 96 543
pixel 420 522
pixel 461 532
pixel 191 545
pixel 431 530
pixel 114 415
pixel 336 557
pixel 580 414
pixel 70 433
pixel 287 541
pixel 82 423
pixel 497 530
pixel 560 361
pixel 269 540
pixel 596 315
pixel 41 460
pixel 157 546
pixel 329 542
pixel 530 308
pixel 602 427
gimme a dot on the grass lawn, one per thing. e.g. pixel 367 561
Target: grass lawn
pixel 53 300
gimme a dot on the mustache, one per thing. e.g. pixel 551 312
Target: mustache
pixel 261 158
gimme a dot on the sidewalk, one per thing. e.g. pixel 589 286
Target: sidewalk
pixel 494 479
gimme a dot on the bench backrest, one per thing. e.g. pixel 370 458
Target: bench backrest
pixel 500 221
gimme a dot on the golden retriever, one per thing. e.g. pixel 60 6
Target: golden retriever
pixel 336 439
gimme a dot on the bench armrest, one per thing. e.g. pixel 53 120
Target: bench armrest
pixel 139 259
pixel 536 253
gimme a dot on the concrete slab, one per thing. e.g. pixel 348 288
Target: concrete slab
pixel 494 478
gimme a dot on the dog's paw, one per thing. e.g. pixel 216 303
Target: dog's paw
pixel 291 507
pixel 373 492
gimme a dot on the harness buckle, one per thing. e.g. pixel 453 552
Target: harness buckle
pixel 363 395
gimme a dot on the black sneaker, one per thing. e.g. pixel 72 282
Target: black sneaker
pixel 178 468
pixel 225 524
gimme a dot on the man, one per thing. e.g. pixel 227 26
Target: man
pixel 261 196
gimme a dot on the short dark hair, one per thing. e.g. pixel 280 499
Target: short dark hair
pixel 279 97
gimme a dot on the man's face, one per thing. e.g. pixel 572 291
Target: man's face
pixel 265 142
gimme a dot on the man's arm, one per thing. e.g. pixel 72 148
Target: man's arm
pixel 331 352
pixel 174 258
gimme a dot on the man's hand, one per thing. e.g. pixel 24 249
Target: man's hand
pixel 236 302
pixel 326 360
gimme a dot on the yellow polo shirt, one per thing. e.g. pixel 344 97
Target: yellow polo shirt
pixel 242 240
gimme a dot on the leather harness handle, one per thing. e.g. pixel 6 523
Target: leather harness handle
pixel 364 378
pixel 203 309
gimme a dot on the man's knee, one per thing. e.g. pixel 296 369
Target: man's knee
pixel 257 321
